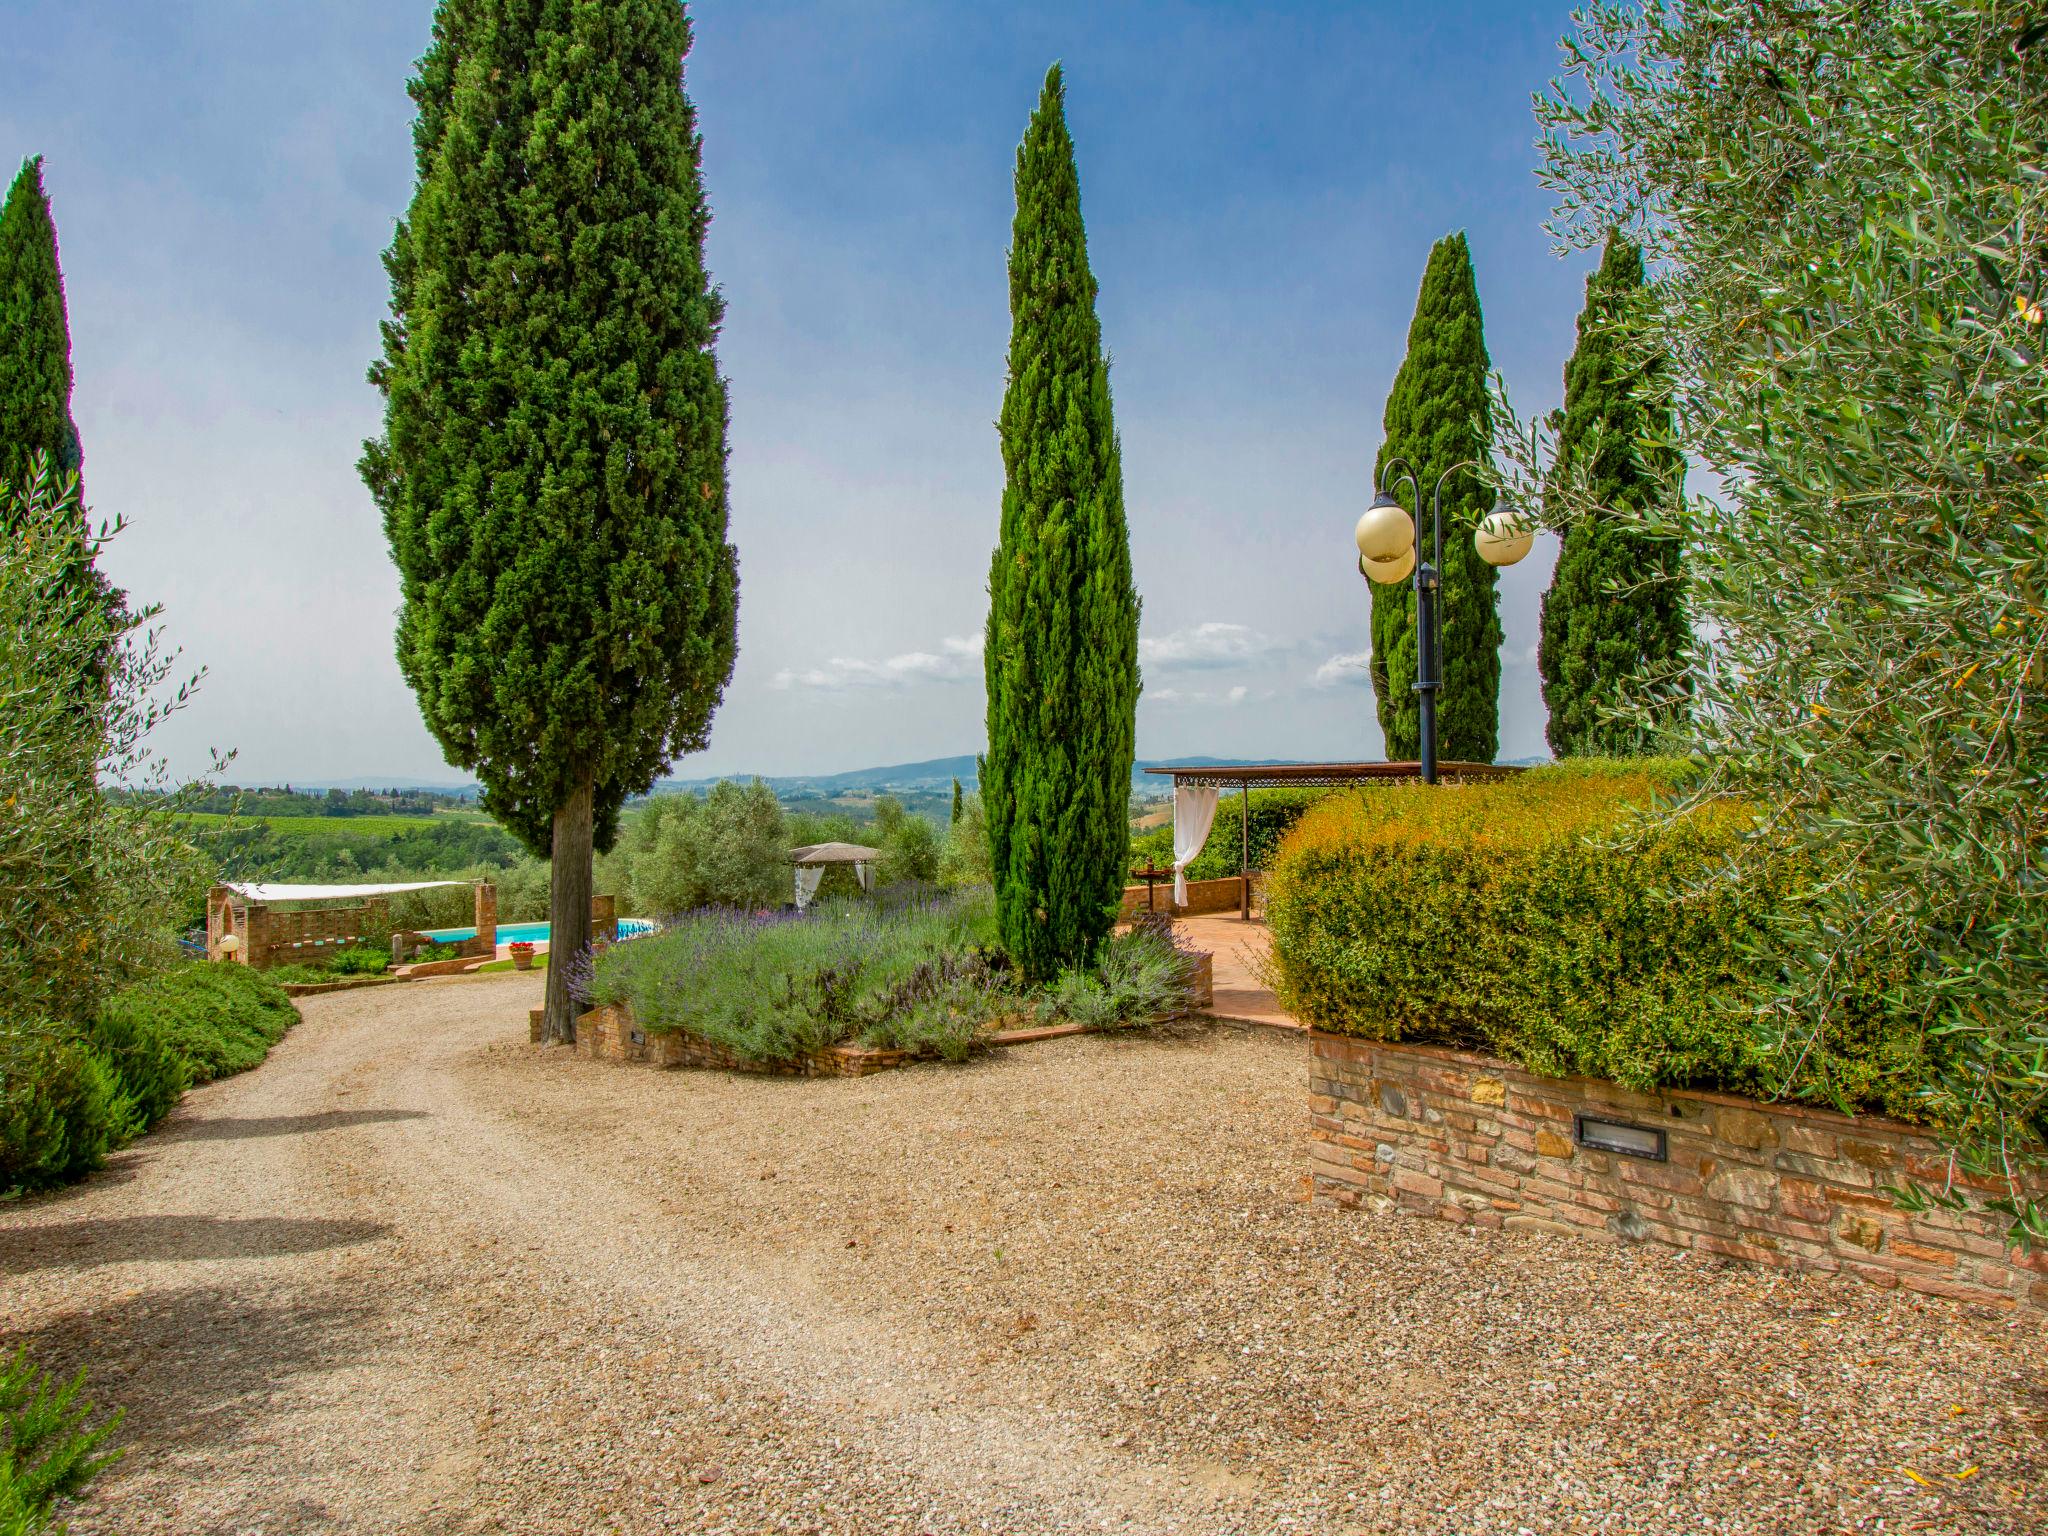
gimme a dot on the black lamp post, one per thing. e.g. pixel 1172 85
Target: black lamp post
pixel 1390 547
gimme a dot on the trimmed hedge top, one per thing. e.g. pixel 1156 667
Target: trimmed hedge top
pixel 1562 921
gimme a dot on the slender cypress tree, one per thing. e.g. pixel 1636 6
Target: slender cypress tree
pixel 35 336
pixel 957 804
pixel 1437 417
pixel 1062 651
pixel 553 469
pixel 1614 626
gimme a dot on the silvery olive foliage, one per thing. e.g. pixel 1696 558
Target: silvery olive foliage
pixel 1845 215
pixel 91 888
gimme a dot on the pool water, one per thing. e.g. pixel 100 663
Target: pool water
pixel 526 933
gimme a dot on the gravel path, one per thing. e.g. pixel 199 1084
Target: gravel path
pixel 414 1275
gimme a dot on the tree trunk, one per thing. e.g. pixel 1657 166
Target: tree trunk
pixel 568 907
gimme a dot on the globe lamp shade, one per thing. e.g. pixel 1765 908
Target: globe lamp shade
pixel 1386 530
pixel 1503 538
pixel 1387 572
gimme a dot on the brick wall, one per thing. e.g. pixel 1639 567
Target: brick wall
pixel 1473 1140
pixel 1203 896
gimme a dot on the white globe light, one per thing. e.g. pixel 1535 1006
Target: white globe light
pixel 229 944
pixel 1385 531
pixel 1503 537
pixel 1387 572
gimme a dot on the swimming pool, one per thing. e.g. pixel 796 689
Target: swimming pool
pixel 527 933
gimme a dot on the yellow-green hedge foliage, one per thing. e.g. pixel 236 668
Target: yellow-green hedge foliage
pixel 1560 921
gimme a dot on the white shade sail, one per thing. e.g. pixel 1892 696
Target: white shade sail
pixel 255 891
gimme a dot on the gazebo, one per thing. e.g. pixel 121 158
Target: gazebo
pixel 813 859
pixel 1196 787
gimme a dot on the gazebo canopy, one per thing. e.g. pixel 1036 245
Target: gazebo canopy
pixel 811 859
pixel 833 853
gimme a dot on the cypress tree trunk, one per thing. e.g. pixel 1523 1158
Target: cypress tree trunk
pixel 1062 647
pixel 1437 416
pixel 1614 628
pixel 569 892
pixel 553 470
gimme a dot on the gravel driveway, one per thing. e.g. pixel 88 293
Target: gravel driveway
pixel 414 1275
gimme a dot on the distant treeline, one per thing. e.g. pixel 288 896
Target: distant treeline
pixel 229 798
pixel 305 849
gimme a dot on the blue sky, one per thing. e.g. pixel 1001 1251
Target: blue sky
pixel 1261 184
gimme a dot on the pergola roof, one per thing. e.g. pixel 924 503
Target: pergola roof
pixel 833 853
pixel 1314 775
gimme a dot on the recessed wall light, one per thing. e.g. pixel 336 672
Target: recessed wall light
pixel 1618 1136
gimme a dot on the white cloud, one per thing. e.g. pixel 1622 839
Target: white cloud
pixel 958 658
pixel 1208 647
pixel 1343 670
pixel 1226 697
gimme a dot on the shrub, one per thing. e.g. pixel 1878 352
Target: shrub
pixel 359 961
pixel 61 1107
pixel 773 987
pixel 1140 978
pixel 221 1019
pixel 149 1069
pixel 47 1449
pixel 1549 921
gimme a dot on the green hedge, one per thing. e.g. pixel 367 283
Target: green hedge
pixel 221 1019
pixel 68 1097
pixel 60 1107
pixel 1547 921
pixel 1273 814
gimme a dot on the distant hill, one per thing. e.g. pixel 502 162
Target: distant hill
pixel 927 777
pixel 932 776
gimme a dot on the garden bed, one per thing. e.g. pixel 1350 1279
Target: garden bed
pixel 858 988
pixel 610 1034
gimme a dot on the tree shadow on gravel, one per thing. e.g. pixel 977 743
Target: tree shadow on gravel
pixel 174 1239
pixel 288 1125
pixel 196 1371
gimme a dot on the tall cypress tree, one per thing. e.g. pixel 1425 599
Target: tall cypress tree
pixel 1062 651
pixel 1438 416
pixel 35 336
pixel 553 470
pixel 1614 625
pixel 958 804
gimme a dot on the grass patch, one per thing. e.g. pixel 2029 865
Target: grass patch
pixel 540 963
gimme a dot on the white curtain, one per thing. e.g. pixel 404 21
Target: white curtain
pixel 807 878
pixel 865 873
pixel 1194 812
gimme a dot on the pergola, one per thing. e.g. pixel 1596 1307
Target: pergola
pixel 1197 786
pixel 813 859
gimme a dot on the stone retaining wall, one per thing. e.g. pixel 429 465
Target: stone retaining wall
pixel 1203 896
pixel 1473 1140
pixel 609 1034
